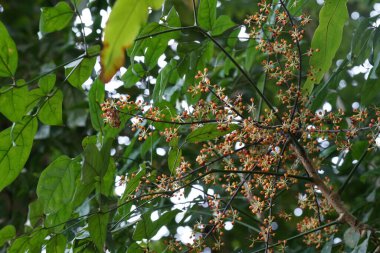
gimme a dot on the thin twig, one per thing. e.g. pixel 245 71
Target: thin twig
pixel 267 237
pixel 292 115
pixel 276 174
pixel 45 74
pixel 353 170
pixel 300 235
pixel 215 160
pixel 175 29
pixel 240 68
pixel 171 122
pixel 332 197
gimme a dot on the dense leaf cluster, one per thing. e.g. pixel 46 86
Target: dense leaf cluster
pixel 189 126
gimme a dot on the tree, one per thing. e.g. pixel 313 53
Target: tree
pixel 189 126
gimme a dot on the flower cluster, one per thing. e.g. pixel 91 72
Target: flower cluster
pixel 254 158
pixel 280 43
pixel 111 113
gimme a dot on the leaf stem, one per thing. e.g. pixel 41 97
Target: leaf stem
pixel 195 9
pixel 46 73
pixel 175 29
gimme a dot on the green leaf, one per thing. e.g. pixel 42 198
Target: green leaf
pixel 208 132
pixel 367 92
pixel 251 54
pixel 55 18
pixel 123 25
pixel 197 60
pixel 133 182
pixel 158 246
pixel 324 92
pixel 207 14
pixel 82 192
pixel 57 244
pixel 351 237
pixel 93 139
pixel 295 7
pixel 228 65
pixel 19 245
pixel 174 159
pixel 93 50
pixel 95 162
pixel 56 186
pixel 84 245
pixel 327 39
pixel 134 73
pixel 233 38
pixel 56 221
pixel 51 110
pixel 47 83
pixel 107 186
pixel 149 144
pixel 95 98
pixel 155 4
pixel 361 41
pixel 123 212
pixel 222 24
pixel 35 100
pixel 135 248
pixel 168 112
pixel 8 53
pixel 328 245
pixel 31 243
pixel 327 152
pixel 358 148
pixel 173 21
pixel 13 102
pixel 146 228
pixel 78 72
pixel 36 212
pixel 15 146
pixel 162 80
pixel 362 248
pixel 97 226
pixel 375 48
pixel 185 11
pixel 79 4
pixel 6 234
pixel 156 46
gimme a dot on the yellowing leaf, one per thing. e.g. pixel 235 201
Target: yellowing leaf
pixel 124 23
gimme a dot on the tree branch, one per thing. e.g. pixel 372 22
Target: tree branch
pixel 332 197
pixel 300 235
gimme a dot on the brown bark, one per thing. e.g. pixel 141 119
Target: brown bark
pixel 332 197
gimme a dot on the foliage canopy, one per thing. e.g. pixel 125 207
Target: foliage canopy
pixel 189 126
